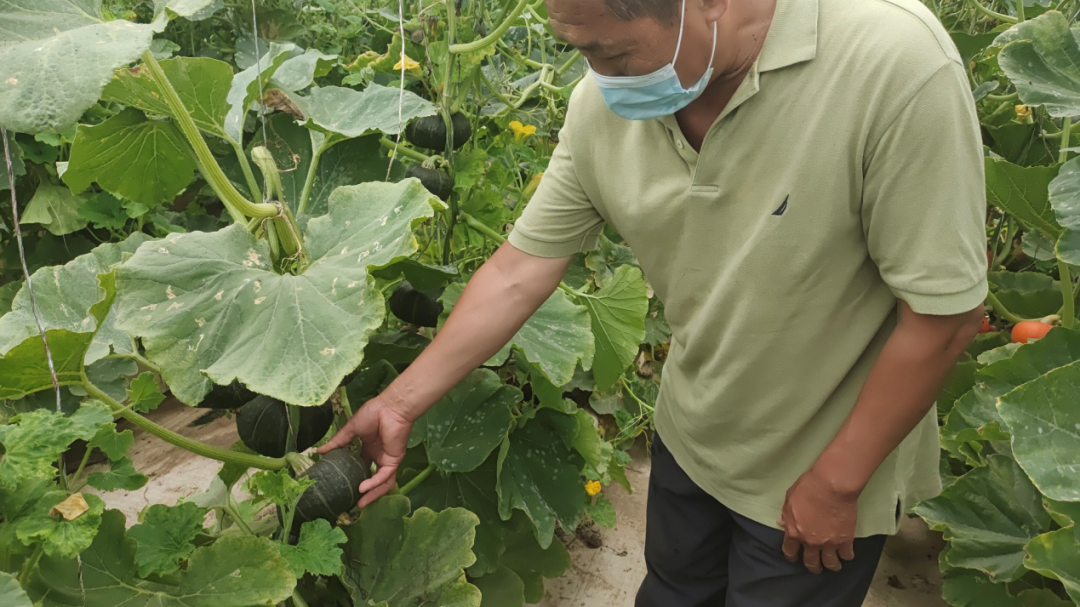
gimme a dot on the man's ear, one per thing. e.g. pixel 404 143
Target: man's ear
pixel 714 9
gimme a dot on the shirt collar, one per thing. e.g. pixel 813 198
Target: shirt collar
pixel 792 36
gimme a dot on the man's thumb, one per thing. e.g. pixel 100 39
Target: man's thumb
pixel 338 440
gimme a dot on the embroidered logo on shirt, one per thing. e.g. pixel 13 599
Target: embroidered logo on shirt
pixel 783 207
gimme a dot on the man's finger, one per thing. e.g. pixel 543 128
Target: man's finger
pixel 830 559
pixel 812 559
pixel 383 474
pixel 791 549
pixel 375 493
pixel 847 551
pixel 338 440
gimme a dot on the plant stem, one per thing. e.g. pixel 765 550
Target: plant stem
pixel 479 226
pixel 494 35
pixel 253 185
pixel 559 71
pixel 1066 130
pixel 30 564
pixel 238 206
pixel 235 514
pixel 1068 307
pixel 1019 11
pixel 416 480
pixel 82 464
pixel 309 180
pixel 194 446
pixel 1001 310
pixel 1011 98
pixel 977 5
pixel 404 151
pixel 139 358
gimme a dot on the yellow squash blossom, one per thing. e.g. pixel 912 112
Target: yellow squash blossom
pixel 592 487
pixel 521 131
pixel 1023 111
pixel 410 65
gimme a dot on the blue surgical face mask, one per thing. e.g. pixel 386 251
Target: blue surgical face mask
pixel 660 93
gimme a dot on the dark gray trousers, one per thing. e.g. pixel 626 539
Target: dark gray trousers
pixel 701 554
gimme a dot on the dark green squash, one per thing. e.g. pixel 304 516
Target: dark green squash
pixel 414 306
pixel 263 425
pixel 430 131
pixel 437 182
pixel 232 396
pixel 337 476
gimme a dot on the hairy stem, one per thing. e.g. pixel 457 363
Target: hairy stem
pixel 404 151
pixel 495 33
pixel 1068 307
pixel 239 207
pixel 416 480
pixel 194 446
pixel 1001 310
pixel 249 176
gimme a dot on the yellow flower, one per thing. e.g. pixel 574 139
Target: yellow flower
pixel 1023 111
pixel 410 65
pixel 592 488
pixel 521 131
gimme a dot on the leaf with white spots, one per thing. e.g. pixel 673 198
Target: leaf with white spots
pixel 467 424
pixel 555 338
pixel 540 473
pixel 64 296
pixel 1065 200
pixel 55 58
pixel 1041 57
pixel 208 306
pixel 1044 421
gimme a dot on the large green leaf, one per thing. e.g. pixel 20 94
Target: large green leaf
pixel 466 425
pixel 120 475
pixel 618 321
pixel 1041 57
pixel 36 439
pixel 234 571
pixel 301 69
pixel 201 83
pixel 165 536
pixel 1044 421
pixel 247 84
pixel 65 295
pixel 394 560
pixel 1065 200
pixel 540 473
pixel 556 338
pixel 1055 555
pixel 209 307
pixel 55 58
pixel 55 208
pixel 25 368
pixel 1022 192
pixel 988 516
pixel 967 588
pixel 343 113
pixel 974 419
pixel 529 561
pixel 143 160
pixel 58 536
pixel 1028 294
pixel 476 492
pixel 501 588
pixel 11 593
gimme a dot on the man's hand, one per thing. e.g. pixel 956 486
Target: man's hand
pixel 384 433
pixel 820 521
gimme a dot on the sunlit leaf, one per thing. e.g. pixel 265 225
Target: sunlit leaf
pixel 618 321
pixel 1054 555
pixel 164 537
pixel 58 536
pixel 36 439
pixel 318 550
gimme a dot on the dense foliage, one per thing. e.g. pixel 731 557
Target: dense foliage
pixel 283 207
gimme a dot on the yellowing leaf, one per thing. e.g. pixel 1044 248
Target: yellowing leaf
pixel 71 508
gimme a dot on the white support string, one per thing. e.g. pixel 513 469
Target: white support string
pixel 401 90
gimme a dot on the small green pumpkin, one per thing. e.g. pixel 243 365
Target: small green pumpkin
pixel 263 425
pixel 430 131
pixel 414 306
pixel 337 477
pixel 437 182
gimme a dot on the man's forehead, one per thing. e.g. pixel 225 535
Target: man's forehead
pixel 588 29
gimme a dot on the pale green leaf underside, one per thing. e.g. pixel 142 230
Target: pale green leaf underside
pixel 1022 192
pixel 1042 59
pixel 349 113
pixel 55 58
pixel 1065 200
pixel 208 306
pixel 11 593
pixel 618 321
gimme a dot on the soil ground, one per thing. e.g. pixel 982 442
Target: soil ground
pixel 604 575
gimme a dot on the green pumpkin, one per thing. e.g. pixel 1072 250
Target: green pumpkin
pixel 430 131
pixel 337 477
pixel 437 182
pixel 263 425
pixel 414 306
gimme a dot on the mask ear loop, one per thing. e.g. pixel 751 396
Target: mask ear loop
pixel 682 26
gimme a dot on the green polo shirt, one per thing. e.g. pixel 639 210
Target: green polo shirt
pixel 845 174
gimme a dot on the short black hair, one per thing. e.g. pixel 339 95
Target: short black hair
pixel 664 11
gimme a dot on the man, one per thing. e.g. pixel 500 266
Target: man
pixel 802 183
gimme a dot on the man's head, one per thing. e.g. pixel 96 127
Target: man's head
pixel 637 37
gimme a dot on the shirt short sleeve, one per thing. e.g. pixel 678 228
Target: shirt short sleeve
pixel 559 220
pixel 924 199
